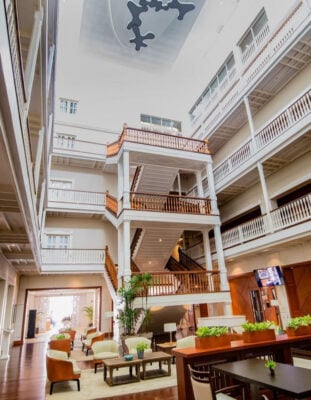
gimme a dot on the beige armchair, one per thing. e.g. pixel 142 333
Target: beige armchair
pixel 132 342
pixel 61 344
pixel 104 349
pixel 59 368
pixel 91 339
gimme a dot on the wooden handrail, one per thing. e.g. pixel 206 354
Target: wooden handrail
pixel 157 139
pixel 170 203
pixel 111 269
pixel 111 204
pixel 182 282
pixel 135 179
pixel 188 262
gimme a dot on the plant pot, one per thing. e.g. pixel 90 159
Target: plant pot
pixel 259 336
pixel 271 371
pixel 300 331
pixel 207 342
pixel 140 354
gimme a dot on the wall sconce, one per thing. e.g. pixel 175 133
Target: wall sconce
pixel 170 327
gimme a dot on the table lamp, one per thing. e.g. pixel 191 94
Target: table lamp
pixel 170 327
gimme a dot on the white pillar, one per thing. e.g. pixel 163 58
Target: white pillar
pixel 179 184
pixel 120 255
pixel 33 53
pixel 126 180
pixel 127 250
pixel 199 183
pixel 268 206
pixel 249 117
pixel 120 184
pixel 207 250
pixel 38 158
pixel 221 259
pixel 50 65
pixel 211 187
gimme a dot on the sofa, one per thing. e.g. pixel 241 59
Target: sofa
pixel 104 349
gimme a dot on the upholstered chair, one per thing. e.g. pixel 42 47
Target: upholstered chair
pixel 59 368
pixel 87 332
pixel 132 342
pixel 104 349
pixel 91 339
pixel 61 344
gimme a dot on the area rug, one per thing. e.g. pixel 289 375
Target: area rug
pixel 92 386
pixel 78 355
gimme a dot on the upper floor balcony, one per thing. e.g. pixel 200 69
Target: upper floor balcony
pixel 76 201
pixel 68 260
pixel 259 63
pixel 282 224
pixel 159 144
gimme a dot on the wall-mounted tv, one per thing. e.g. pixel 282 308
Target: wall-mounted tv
pixel 270 276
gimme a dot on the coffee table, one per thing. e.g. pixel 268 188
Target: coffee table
pixel 167 347
pixel 114 363
pixel 157 356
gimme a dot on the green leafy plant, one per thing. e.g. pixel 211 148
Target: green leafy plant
pixel 296 322
pixel 61 336
pixel 257 326
pixel 141 346
pixel 204 331
pixel 89 311
pixel 270 364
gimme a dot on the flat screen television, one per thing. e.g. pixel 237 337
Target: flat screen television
pixel 270 276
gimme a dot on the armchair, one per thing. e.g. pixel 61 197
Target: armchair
pixel 87 332
pixel 104 349
pixel 60 369
pixel 132 342
pixel 61 344
pixel 92 338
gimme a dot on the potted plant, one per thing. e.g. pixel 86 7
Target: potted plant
pixel 207 337
pixel 258 331
pixel 141 347
pixel 271 365
pixel 89 311
pixel 299 326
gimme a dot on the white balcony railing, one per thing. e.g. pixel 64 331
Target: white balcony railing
pixel 264 50
pixel 293 213
pixel 68 145
pixel 73 256
pixel 66 198
pixel 288 117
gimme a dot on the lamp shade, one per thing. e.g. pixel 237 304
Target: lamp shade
pixel 170 327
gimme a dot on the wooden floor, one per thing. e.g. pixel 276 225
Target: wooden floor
pixel 23 377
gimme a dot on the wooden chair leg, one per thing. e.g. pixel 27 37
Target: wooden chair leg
pixel 51 387
pixel 78 384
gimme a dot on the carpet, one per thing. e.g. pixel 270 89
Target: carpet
pixel 92 386
pixel 78 355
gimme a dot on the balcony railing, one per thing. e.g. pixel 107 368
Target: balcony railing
pixel 293 213
pixel 295 112
pixel 73 256
pixel 173 283
pixel 271 45
pixel 170 204
pixel 67 145
pixel 77 198
pixel 157 139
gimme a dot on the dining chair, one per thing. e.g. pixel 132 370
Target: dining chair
pixel 301 357
pixel 207 385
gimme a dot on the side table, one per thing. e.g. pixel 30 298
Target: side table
pixel 167 347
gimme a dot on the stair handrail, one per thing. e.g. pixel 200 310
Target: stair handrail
pixel 111 269
pixel 188 262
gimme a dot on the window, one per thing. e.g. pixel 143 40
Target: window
pixel 219 82
pixel 68 106
pixel 57 241
pixel 254 36
pixel 159 124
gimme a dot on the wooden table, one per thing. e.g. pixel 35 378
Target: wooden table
pixel 167 347
pixel 111 364
pixel 239 350
pixel 156 356
pixel 288 380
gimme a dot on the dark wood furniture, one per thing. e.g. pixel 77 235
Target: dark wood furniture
pixel 280 348
pixel 167 347
pixel 288 379
pixel 156 356
pixel 115 363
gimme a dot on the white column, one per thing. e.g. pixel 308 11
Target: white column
pixel 127 250
pixel 33 53
pixel 38 158
pixel 126 180
pixel 179 184
pixel 120 184
pixel 211 187
pixel 268 206
pixel 120 255
pixel 50 65
pixel 221 259
pixel 249 117
pixel 207 250
pixel 199 183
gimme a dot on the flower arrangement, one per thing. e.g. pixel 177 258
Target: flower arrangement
pixel 296 322
pixel 60 336
pixel 270 364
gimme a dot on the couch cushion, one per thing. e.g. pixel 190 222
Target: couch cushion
pixel 76 369
pixel 105 354
pixel 60 355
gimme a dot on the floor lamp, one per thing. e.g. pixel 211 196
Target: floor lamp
pixel 170 327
